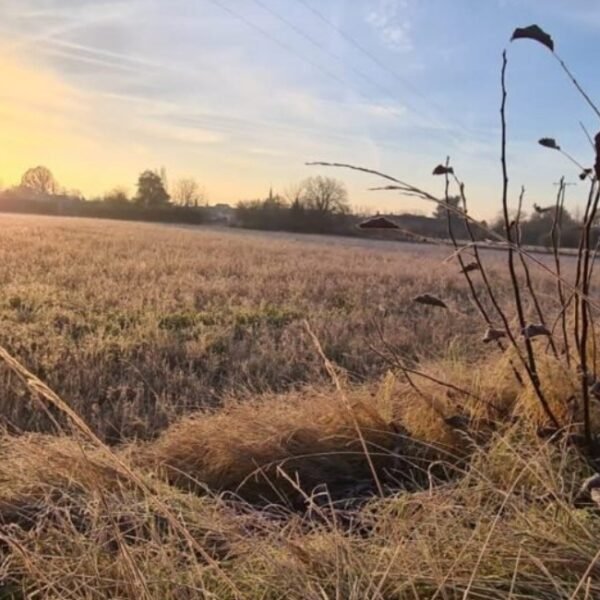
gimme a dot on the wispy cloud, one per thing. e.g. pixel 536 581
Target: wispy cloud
pixel 195 136
pixel 390 19
pixel 386 110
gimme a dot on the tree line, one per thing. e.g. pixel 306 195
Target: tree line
pixel 314 205
pixel 151 189
pixel 154 200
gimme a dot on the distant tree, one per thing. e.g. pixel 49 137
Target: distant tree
pixel 325 195
pixel 187 192
pixel 40 179
pixel 538 228
pixel 74 193
pixel 295 194
pixel 441 212
pixel 164 178
pixel 151 191
pixel 117 197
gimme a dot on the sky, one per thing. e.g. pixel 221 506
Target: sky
pixel 240 94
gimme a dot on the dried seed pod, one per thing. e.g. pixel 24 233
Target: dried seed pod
pixel 468 268
pixel 442 170
pixel 429 300
pixel 533 32
pixel 533 330
pixel 491 335
pixel 549 143
pixel 378 223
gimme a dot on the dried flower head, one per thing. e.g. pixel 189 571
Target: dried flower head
pixel 491 335
pixel 533 32
pixel 533 330
pixel 429 300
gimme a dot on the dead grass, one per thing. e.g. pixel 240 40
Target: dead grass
pixel 241 471
pixel 149 319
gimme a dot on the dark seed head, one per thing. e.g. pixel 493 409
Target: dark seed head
pixel 533 330
pixel 491 335
pixel 430 300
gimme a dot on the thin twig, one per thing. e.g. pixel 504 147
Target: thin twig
pixel 587 134
pixel 528 280
pixel 576 84
pixel 488 286
pixel 531 366
pixel 585 321
pixel 555 235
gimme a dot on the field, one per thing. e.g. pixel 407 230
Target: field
pixel 270 417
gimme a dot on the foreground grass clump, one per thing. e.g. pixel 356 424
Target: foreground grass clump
pixel 500 524
pixel 274 449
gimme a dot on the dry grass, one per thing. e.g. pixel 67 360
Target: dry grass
pixel 237 470
pixel 153 322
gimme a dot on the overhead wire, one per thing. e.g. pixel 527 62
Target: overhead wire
pixel 290 49
pixel 323 48
pixel 373 58
pixel 238 16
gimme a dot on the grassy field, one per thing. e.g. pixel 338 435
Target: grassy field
pixel 242 427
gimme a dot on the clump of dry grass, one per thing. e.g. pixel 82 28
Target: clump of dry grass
pixel 72 524
pixel 274 448
pixel 506 527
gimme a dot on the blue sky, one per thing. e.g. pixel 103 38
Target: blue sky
pixel 241 93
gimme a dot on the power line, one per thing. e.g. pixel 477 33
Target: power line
pixel 358 46
pixel 323 48
pixel 362 49
pixel 277 41
pixel 291 50
pixel 235 125
pixel 224 123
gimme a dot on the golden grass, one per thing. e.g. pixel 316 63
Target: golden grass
pixel 151 319
pixel 241 470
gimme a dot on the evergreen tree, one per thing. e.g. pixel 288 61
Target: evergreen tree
pixel 151 190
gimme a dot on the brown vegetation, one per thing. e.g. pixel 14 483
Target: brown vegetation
pixel 261 488
pixel 271 419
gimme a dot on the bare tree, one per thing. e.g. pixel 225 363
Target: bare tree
pixel 295 193
pixel 40 179
pixel 326 195
pixel 187 192
pixel 117 196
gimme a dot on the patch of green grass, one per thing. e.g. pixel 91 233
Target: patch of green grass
pixel 177 322
pixel 270 315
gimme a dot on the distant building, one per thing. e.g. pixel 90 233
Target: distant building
pixel 220 213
